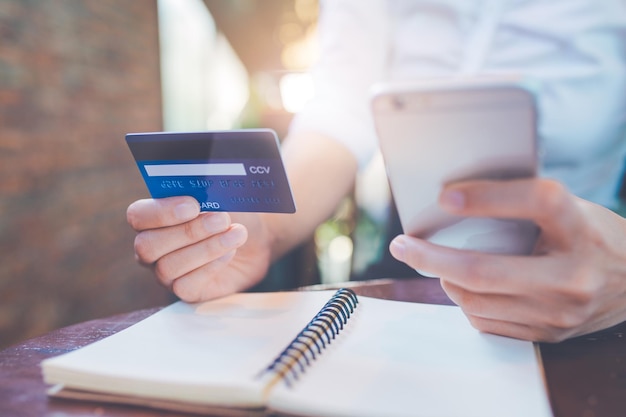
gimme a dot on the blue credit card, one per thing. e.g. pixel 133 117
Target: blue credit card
pixel 234 170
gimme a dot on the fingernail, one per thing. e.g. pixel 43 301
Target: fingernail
pixel 453 200
pixel 216 222
pixel 398 248
pixel 235 237
pixel 186 211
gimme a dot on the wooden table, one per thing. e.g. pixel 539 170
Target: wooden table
pixel 586 377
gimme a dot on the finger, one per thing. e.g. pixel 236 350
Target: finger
pixel 510 308
pixel 155 213
pixel 501 315
pixel 538 332
pixel 554 316
pixel 525 331
pixel 545 202
pixel 207 282
pixel 514 330
pixel 182 261
pixel 475 271
pixel 152 244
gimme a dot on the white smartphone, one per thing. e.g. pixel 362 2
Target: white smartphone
pixel 438 133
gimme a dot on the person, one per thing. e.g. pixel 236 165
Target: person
pixel 574 51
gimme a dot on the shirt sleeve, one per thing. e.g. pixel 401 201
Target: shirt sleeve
pixel 353 42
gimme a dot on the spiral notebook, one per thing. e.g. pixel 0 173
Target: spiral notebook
pixel 316 353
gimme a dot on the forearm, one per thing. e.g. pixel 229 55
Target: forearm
pixel 321 172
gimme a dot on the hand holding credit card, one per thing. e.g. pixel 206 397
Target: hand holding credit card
pixel 235 170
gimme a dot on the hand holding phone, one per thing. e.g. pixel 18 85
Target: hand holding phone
pixel 438 133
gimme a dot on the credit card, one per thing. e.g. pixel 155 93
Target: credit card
pixel 234 170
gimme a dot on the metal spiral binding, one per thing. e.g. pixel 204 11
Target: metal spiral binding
pixel 318 333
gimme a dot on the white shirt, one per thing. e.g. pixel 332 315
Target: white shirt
pixel 573 50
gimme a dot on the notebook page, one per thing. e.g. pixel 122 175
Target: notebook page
pixel 204 353
pixel 406 359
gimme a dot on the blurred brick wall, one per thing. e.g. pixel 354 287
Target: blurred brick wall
pixel 75 76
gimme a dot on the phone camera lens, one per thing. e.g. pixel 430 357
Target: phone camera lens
pixel 397 103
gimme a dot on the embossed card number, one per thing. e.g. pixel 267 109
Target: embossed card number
pixel 237 170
